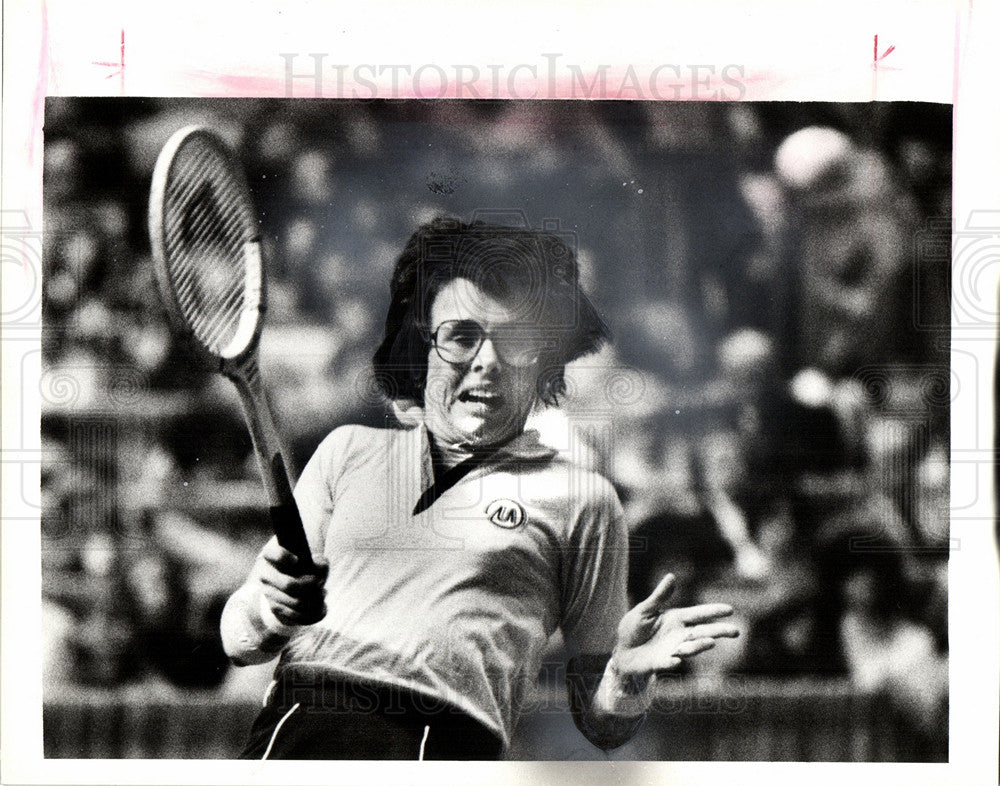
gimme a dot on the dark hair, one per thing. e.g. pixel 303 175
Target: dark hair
pixel 535 270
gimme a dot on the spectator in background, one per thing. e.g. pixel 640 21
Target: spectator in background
pixel 769 443
pixel 888 649
pixel 855 224
pixel 784 612
pixel 779 469
pixel 175 634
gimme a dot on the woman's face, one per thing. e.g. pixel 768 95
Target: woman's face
pixel 484 400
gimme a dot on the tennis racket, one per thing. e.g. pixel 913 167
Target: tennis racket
pixel 210 274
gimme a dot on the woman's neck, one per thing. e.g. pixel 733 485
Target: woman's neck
pixel 445 455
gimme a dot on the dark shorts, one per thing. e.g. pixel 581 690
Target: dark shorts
pixel 334 718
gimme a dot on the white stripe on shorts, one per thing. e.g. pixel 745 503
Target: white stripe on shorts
pixel 274 734
pixel 423 742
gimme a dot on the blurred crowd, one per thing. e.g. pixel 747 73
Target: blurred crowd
pixel 773 411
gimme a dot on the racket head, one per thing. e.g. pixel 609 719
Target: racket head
pixel 206 246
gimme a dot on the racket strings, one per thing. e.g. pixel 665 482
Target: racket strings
pixel 207 224
pixel 199 227
pixel 200 222
pixel 196 229
pixel 209 282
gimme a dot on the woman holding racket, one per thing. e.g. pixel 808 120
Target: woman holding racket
pixel 446 554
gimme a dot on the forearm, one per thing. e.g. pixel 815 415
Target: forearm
pixel 608 708
pixel 251 635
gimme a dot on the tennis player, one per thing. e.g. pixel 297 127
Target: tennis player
pixel 447 553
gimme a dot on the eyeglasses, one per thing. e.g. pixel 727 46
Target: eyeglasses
pixel 459 341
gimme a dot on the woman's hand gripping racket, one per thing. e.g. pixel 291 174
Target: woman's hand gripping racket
pixel 207 257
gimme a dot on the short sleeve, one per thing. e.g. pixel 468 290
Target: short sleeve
pixel 316 487
pixel 594 574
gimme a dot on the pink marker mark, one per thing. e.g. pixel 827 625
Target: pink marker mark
pixel 120 65
pixel 41 87
pixel 884 55
pixel 876 59
pixel 215 85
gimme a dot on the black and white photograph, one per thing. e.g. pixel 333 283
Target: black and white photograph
pixel 496 430
pixel 539 393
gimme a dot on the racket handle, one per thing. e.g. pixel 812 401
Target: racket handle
pixel 285 519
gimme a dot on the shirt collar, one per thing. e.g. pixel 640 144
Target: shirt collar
pixel 526 446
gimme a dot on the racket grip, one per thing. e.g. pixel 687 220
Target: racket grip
pixel 285 519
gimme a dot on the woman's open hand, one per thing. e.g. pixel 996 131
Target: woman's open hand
pixel 653 637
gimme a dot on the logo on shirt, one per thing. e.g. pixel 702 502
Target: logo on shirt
pixel 505 513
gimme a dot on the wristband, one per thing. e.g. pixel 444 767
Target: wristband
pixel 628 685
pixel 626 694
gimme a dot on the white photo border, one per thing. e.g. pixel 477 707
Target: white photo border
pixel 942 52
